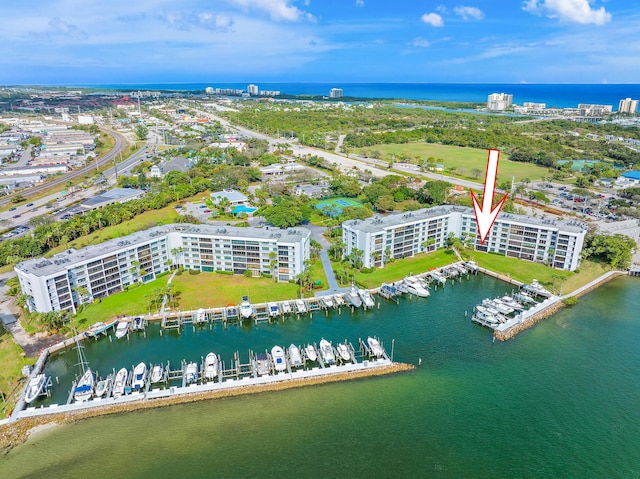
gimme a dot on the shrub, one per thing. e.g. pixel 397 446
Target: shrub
pixel 194 271
pixel 367 270
pixel 570 301
pixel 224 272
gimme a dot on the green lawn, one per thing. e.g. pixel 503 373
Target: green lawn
pixel 11 362
pixel 463 159
pixel 401 268
pixel 210 290
pixel 317 273
pixel 133 301
pixel 550 278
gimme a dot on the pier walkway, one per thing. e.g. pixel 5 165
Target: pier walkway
pixel 225 385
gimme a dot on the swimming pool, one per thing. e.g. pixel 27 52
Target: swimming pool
pixel 243 209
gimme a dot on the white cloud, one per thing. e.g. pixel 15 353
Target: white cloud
pixel 419 42
pixel 432 19
pixel 469 13
pixel 276 9
pixel 442 9
pixel 60 28
pixel 577 11
pixel 359 3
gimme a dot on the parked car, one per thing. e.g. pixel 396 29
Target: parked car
pixel 29 204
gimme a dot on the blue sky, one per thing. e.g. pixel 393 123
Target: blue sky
pixel 214 41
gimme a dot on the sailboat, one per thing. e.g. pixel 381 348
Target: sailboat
pixel 84 388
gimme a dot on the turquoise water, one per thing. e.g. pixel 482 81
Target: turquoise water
pixel 559 400
pixel 243 209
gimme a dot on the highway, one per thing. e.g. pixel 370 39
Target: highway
pixel 120 144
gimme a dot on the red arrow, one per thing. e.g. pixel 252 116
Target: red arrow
pixel 485 216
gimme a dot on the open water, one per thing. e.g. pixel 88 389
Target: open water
pixel 554 95
pixel 561 400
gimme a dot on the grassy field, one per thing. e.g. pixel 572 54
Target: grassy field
pixel 550 278
pixel 463 159
pixel 209 290
pixel 403 267
pixel 11 362
pixel 204 290
pixel 133 301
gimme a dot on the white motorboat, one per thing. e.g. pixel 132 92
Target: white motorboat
pixel 487 317
pixel 301 307
pixel 512 303
pixel 490 306
pixel 157 374
pixel 120 383
pixel 524 297
pixel 366 298
pixel 415 287
pixel 310 352
pixel 84 389
pixel 503 308
pixel 536 288
pixel 211 366
pixel 353 298
pixel 200 316
pixel 274 310
pixel 343 352
pixel 34 388
pixel 246 311
pixel 102 387
pixel 286 307
pixel 262 364
pixel 137 324
pixel 438 277
pixel 338 299
pixel 295 358
pixel 375 347
pixel 191 374
pixel 277 354
pixel 400 286
pixel 96 329
pixel 327 301
pixel 139 376
pixel 122 329
pixel 326 350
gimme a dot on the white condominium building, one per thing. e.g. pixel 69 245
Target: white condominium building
pixel 79 276
pixel 403 235
pixel 336 93
pixel 499 101
pixel 628 106
pixel 252 90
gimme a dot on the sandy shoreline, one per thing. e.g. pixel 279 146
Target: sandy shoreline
pixel 17 432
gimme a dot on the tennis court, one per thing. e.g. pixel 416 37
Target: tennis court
pixel 333 206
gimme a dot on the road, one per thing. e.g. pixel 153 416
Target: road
pixel 26 213
pixel 120 144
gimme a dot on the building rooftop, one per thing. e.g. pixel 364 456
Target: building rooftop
pixel 378 222
pixel 111 196
pixel 232 195
pixel 68 259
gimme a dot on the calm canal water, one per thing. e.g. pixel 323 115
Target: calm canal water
pixel 559 400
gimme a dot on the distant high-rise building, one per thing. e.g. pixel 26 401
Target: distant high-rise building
pixel 588 109
pixel 252 90
pixel 209 90
pixel 628 106
pixel 499 101
pixel 335 93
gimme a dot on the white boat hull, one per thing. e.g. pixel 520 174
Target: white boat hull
pixel 211 366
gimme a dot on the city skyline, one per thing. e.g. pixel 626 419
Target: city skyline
pixel 531 41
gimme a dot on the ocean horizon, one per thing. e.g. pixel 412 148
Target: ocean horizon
pixel 561 95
